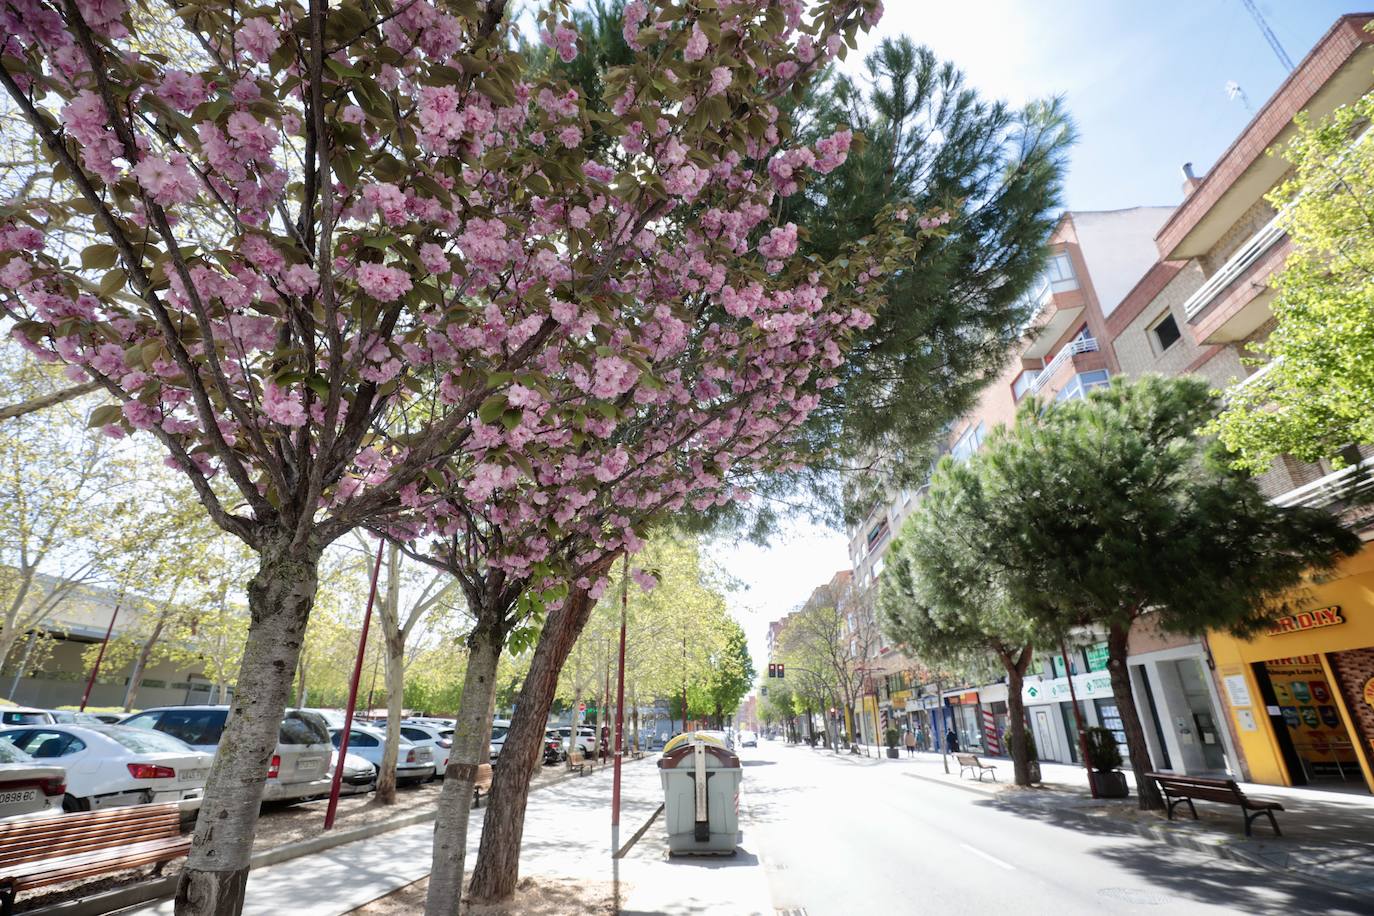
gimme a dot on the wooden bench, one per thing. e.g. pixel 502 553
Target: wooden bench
pixel 481 784
pixel 42 852
pixel 1179 789
pixel 579 763
pixel 971 762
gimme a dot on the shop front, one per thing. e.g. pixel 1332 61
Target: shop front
pixel 1301 696
pixel 966 720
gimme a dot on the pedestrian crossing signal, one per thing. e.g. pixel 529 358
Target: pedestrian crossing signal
pixel 772 670
pixel 781 669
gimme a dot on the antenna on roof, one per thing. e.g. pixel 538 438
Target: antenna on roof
pixel 1234 92
pixel 1269 35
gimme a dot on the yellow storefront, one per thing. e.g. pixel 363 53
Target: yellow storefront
pixel 1301 697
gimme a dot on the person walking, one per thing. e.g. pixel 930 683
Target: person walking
pixel 952 741
pixel 910 743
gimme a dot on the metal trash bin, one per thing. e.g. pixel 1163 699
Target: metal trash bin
pixel 701 779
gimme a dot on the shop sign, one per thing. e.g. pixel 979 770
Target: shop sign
pixel 1097 657
pixel 1088 686
pixel 967 698
pixel 1308 620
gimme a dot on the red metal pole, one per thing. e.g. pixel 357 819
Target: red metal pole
pixel 100 656
pixel 352 696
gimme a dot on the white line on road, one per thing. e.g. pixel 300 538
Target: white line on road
pixel 993 859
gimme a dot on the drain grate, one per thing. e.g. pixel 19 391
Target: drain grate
pixel 1133 895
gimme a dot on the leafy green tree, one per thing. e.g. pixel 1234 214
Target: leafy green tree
pixel 1317 396
pixel 952 315
pixel 732 673
pixel 940 596
pixel 1108 509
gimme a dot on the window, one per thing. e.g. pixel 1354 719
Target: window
pixel 1166 332
pixel 1023 381
pixel 968 443
pixel 414 734
pixel 1081 384
pixel 11 754
pixel 23 718
pixel 303 728
pixel 201 727
pixel 145 742
pixel 43 743
pixel 1059 270
pixel 357 739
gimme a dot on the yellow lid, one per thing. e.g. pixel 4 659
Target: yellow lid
pixel 688 737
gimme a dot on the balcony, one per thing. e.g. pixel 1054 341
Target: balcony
pixel 1338 485
pixel 1055 302
pixel 1070 350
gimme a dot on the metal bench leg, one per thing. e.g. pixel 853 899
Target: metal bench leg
pixel 7 893
pixel 1250 819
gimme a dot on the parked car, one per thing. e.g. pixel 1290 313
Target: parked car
pixel 334 718
pixel 28 787
pixel 70 717
pixel 413 764
pixel 438 739
pixel 359 775
pixel 586 739
pixel 499 727
pixel 748 739
pixel 433 721
pixel 111 765
pixel 25 715
pixel 300 762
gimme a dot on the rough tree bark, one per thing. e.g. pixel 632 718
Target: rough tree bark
pixel 1016 714
pixel 280 597
pixel 498 859
pixel 395 698
pixel 471 747
pixel 1117 651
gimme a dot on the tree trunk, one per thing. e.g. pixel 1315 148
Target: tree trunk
pixel 1117 650
pixel 280 597
pixel 471 748
pixel 302 695
pixel 1016 715
pixel 395 698
pixel 141 664
pixel 498 860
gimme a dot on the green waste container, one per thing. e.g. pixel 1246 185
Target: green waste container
pixel 701 780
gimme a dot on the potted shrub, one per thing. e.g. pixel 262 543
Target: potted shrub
pixel 1105 759
pixel 890 737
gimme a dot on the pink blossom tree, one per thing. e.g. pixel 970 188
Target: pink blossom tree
pixel 363 264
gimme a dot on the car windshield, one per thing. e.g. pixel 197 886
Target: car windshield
pixel 498 732
pixel 23 718
pixel 301 727
pixel 142 741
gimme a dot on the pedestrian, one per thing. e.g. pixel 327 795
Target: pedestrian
pixel 910 743
pixel 952 742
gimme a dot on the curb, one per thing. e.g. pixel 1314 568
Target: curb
pixel 952 785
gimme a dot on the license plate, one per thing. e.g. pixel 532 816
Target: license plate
pixel 308 763
pixel 423 755
pixel 16 797
pixel 195 775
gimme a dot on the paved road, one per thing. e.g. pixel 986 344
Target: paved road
pixel 849 836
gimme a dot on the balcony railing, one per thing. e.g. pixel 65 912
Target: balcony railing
pixel 1342 484
pixel 1071 349
pixel 1236 265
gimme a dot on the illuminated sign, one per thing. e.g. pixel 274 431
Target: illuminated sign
pixel 1308 620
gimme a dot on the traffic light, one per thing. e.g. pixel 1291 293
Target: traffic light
pixel 781 669
pixel 772 670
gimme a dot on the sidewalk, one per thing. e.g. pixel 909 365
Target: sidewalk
pixel 567 835
pixel 1328 837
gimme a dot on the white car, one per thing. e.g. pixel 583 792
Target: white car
pixel 499 727
pixel 437 738
pixel 586 739
pixel 25 715
pixel 28 787
pixel 110 765
pixel 413 764
pixel 359 775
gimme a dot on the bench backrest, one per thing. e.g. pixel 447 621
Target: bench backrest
pixel 483 777
pixel 87 831
pixel 1200 787
pixel 968 760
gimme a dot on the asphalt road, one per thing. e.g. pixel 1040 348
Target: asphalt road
pixel 841 837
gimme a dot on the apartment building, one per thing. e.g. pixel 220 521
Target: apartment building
pixel 1299 700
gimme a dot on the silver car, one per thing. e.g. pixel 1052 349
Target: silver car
pixel 299 767
pixel 414 764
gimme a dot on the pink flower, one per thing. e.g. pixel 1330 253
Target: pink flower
pixel 385 284
pixel 352 114
pixel 282 406
pixel 258 38
pixel 570 136
pixel 184 90
pixel 434 259
pixel 780 242
pixel 15 273
pixel 301 280
pixel 696 44
pixel 167 181
pixel 564 41
pixel 644 579
pixel 721 77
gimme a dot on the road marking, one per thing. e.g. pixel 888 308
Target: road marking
pixel 993 859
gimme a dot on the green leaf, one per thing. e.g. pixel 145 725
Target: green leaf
pixel 99 257
pixel 104 415
pixel 492 408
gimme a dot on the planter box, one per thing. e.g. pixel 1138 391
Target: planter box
pixel 892 753
pixel 1111 784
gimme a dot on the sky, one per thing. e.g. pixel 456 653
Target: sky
pixel 1146 84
